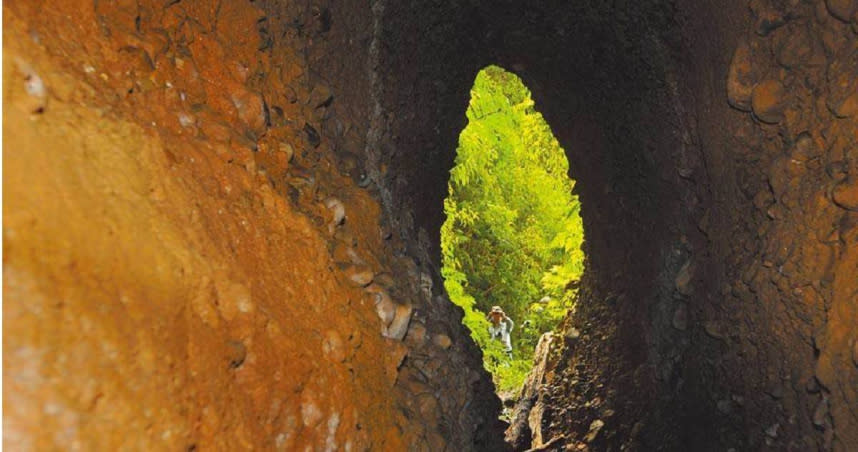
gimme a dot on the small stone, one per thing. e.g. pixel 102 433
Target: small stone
pixel 338 212
pixel 769 101
pixel 442 340
pixel 713 329
pixel 310 412
pixel 636 429
pixel 842 9
pixel 359 275
pixel 384 279
pixel 683 279
pixel 332 346
pixel 740 81
pixel 287 149
pixel 138 60
pixel 846 108
pixel 384 305
pixel 845 194
pixel 772 431
pixel 572 333
pixel 680 317
pixel 399 326
pixel 794 48
pixel 595 428
pixel 359 176
pixel 804 148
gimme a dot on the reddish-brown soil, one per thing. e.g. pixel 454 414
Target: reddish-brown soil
pixel 172 276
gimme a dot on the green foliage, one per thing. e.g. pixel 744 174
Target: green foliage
pixel 513 232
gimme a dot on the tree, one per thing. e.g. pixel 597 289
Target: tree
pixel 513 232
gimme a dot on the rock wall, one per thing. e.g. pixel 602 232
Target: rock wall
pixel 198 195
pixel 193 258
pixel 692 337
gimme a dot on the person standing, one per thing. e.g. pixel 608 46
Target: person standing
pixel 500 328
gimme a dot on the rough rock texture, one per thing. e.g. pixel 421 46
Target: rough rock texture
pixel 526 428
pixel 196 193
pixel 188 262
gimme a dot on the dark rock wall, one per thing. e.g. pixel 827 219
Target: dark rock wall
pixel 693 335
pixel 714 147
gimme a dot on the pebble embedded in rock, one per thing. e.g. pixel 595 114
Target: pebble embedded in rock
pixel 311 414
pixel 442 340
pixel 842 9
pixel 360 275
pixel 360 177
pixel 772 431
pixel 287 149
pixel 399 326
pixel 595 428
pixel 713 329
pixel 845 194
pixel 250 109
pixel 384 305
pixel 572 333
pixel 769 101
pixel 740 81
pixel 804 148
pixel 338 212
pixel 384 279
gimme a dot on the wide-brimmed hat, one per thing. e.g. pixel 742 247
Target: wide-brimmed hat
pixel 497 309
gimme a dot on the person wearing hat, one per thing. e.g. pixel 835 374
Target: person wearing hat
pixel 500 328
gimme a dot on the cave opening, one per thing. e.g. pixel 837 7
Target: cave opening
pixel 511 242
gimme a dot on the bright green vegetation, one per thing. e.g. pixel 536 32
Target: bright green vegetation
pixel 513 232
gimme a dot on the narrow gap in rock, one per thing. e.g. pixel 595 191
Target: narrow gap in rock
pixel 511 242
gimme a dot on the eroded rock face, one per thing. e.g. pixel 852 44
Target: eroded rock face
pixel 191 263
pixel 215 215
